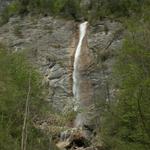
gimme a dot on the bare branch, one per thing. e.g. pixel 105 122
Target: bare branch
pixel 24 128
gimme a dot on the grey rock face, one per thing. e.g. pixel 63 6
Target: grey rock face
pixel 48 42
pixel 85 3
pixel 51 44
pixel 104 40
pixel 4 3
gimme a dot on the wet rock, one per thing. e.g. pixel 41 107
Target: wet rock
pixel 73 139
pixel 63 144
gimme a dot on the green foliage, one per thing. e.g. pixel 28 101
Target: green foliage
pixel 127 123
pixel 39 6
pixel 57 6
pixel 72 9
pixel 9 11
pixel 14 76
pixel 124 7
pixel 97 9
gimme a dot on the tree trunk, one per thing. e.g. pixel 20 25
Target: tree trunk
pixel 24 127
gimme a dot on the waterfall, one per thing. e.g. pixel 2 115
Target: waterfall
pixel 82 34
pixel 65 136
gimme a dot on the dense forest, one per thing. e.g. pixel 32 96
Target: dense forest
pixel 127 120
pixel 96 9
pixel 16 76
pixel 127 123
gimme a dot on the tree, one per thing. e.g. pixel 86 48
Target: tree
pixel 14 86
pixel 129 128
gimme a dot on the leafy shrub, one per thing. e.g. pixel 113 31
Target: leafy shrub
pixel 128 121
pixel 9 11
pixel 97 9
pixel 14 76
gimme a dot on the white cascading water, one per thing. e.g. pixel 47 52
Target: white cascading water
pixel 76 79
pixel 76 74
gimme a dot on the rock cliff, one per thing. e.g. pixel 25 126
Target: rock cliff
pixel 3 4
pixel 51 44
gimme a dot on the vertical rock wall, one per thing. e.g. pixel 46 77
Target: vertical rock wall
pixel 3 4
pixel 51 44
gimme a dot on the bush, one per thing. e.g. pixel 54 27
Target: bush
pixel 9 11
pixel 97 9
pixel 14 76
pixel 128 121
